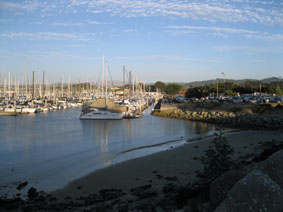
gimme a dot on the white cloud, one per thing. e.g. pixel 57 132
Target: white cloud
pixel 37 22
pixel 180 32
pixel 216 29
pixel 130 30
pixel 48 36
pixel 224 32
pixel 71 56
pixel 163 57
pixel 251 50
pixel 250 11
pixel 77 45
pixel 95 22
pixel 62 24
pixel 76 24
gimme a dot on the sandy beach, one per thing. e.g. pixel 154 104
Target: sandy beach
pixel 179 165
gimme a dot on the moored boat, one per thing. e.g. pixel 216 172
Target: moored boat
pixel 101 115
pixel 7 113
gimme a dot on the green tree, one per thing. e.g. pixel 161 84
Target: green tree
pixel 195 92
pixel 229 92
pixel 217 158
pixel 278 91
pixel 172 88
pixel 160 86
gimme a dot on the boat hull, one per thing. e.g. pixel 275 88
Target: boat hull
pixel 5 113
pixel 101 115
pixel 101 118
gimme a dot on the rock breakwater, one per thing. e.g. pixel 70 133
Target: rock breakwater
pixel 227 119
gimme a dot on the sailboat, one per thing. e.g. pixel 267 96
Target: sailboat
pixel 103 113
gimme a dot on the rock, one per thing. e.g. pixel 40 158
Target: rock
pixel 9 203
pixel 171 178
pixel 255 192
pixel 109 194
pixel 30 208
pixel 167 203
pixel 22 185
pixel 205 207
pixel 32 193
pixel 170 187
pixel 92 199
pixel 220 187
pixel 122 207
pixel 273 167
pixel 159 209
pixel 143 191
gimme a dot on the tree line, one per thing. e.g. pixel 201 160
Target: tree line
pixel 221 88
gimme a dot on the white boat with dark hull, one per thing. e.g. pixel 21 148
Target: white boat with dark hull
pixel 101 115
pixel 103 112
pixel 22 110
pixel 29 110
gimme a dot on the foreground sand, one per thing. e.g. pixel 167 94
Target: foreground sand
pixel 178 165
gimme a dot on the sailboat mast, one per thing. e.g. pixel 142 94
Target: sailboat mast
pixel 9 85
pixel 102 81
pixel 106 84
pixel 62 86
pixel 124 70
pixel 33 85
pixel 43 84
pixel 69 87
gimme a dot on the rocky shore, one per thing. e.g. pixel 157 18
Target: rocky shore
pixel 227 119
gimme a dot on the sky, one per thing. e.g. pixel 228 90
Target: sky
pixel 170 41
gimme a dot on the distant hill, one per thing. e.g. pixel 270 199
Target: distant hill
pixel 198 83
pixel 242 81
pixel 271 79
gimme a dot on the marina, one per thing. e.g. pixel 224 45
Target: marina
pixel 96 99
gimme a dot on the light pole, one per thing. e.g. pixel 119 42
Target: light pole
pixel 224 81
pixel 217 88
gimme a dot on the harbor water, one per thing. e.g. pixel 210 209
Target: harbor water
pixel 51 149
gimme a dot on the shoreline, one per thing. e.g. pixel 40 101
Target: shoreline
pixel 153 182
pixel 180 163
pixel 181 139
pixel 121 157
pixel 232 119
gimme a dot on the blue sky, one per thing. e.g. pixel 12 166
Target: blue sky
pixel 171 41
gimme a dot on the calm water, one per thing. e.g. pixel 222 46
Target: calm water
pixel 49 150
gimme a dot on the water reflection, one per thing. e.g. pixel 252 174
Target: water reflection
pixel 199 128
pixel 102 135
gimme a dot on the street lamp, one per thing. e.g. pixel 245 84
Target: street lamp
pixel 224 81
pixel 217 88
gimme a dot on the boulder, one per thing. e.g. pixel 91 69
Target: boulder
pixel 109 194
pixel 143 191
pixel 273 167
pixel 22 185
pixel 220 187
pixel 255 192
pixel 32 193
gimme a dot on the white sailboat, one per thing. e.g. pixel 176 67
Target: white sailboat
pixel 102 114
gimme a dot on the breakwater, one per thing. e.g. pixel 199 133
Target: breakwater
pixel 227 119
